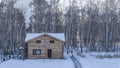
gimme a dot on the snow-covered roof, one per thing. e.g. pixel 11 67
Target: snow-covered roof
pixel 31 36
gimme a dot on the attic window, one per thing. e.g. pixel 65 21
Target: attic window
pixel 52 41
pixel 38 41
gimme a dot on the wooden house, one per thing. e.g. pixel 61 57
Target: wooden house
pixel 44 45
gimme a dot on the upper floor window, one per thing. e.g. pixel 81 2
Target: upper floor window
pixel 38 41
pixel 52 41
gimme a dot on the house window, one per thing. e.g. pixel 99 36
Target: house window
pixel 36 51
pixel 52 41
pixel 38 41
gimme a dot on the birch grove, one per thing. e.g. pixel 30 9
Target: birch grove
pixel 91 28
pixel 12 31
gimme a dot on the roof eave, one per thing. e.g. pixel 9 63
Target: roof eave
pixel 45 34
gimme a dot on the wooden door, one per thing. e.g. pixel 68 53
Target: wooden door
pixel 49 53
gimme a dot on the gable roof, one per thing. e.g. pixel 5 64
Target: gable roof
pixel 31 36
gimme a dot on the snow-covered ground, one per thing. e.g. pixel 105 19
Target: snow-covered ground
pixel 87 62
pixel 105 53
pixel 92 62
pixel 38 63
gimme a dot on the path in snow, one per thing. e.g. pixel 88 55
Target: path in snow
pixel 76 62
